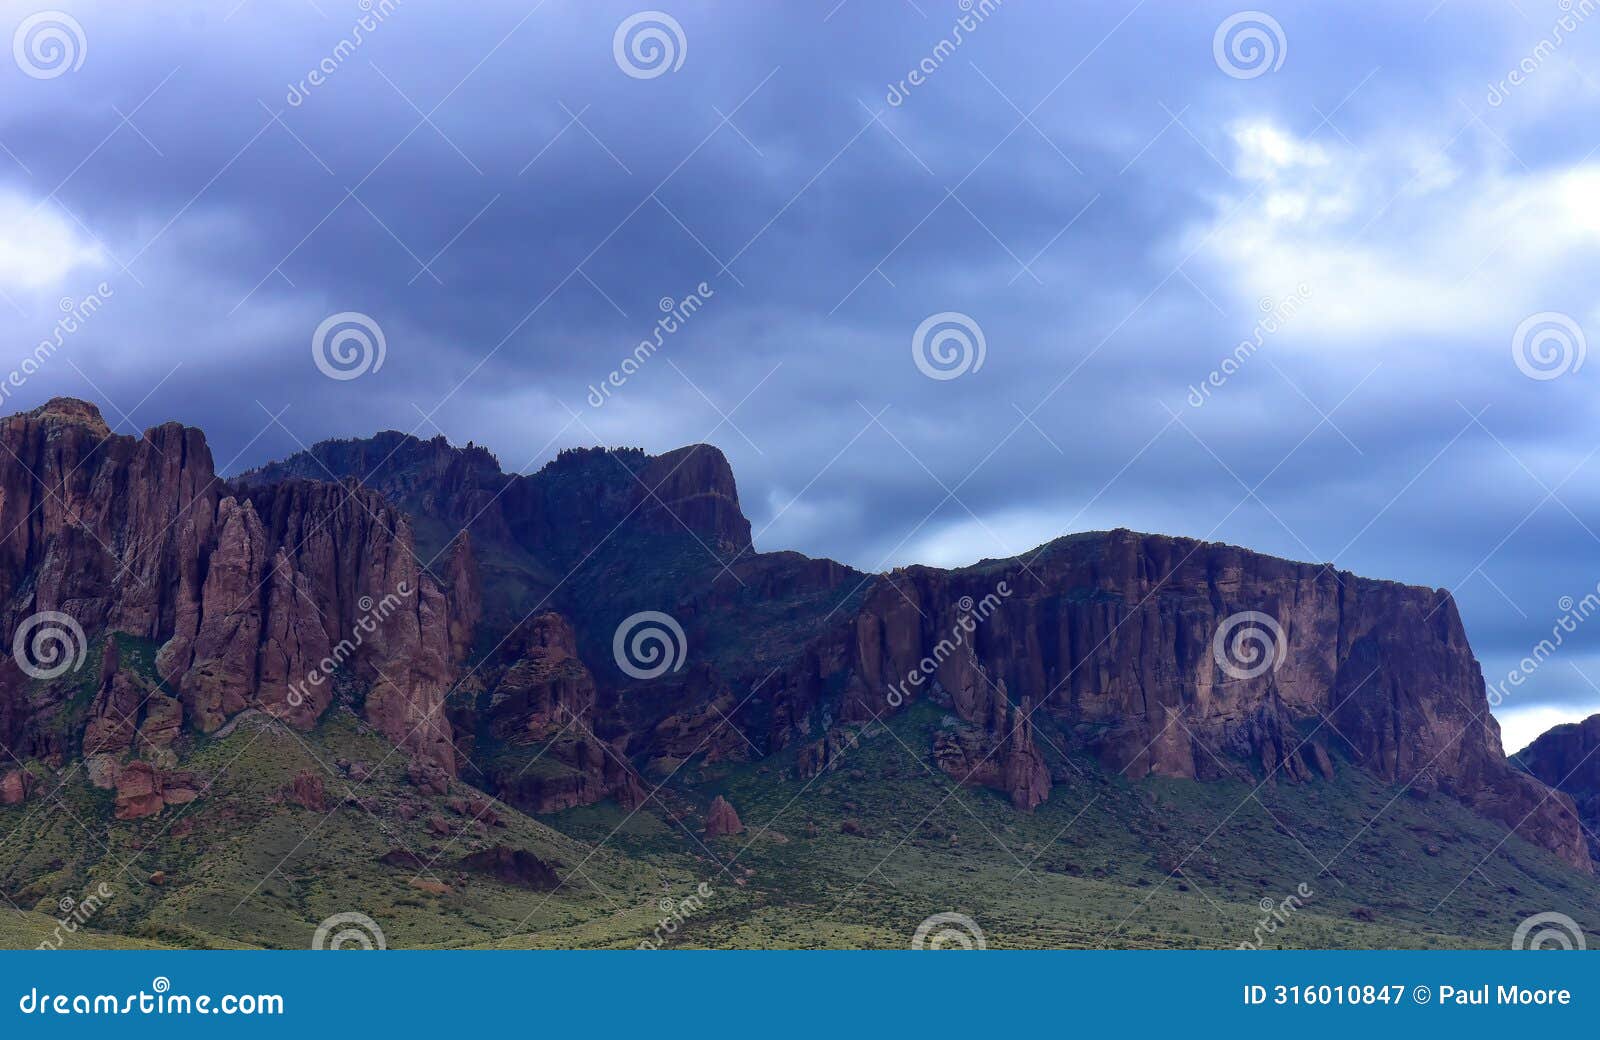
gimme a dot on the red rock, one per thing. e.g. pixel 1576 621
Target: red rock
pixel 138 791
pixel 546 698
pixel 15 786
pixel 306 791
pixel 514 867
pixel 721 819
pixel 428 777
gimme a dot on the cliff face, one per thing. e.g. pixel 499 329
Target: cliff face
pixel 338 574
pixel 560 511
pixel 539 708
pixel 1111 642
pixel 1567 758
pixel 262 598
pixel 1105 643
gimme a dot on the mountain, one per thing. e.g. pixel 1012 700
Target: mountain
pixel 386 672
pixel 1564 757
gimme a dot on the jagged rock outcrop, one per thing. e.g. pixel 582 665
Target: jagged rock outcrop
pixel 1567 758
pixel 540 703
pixel 721 820
pixel 144 790
pixel 307 791
pixel 517 867
pixel 560 511
pixel 15 786
pixel 258 597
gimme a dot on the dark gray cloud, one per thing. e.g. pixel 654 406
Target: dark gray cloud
pixel 1115 248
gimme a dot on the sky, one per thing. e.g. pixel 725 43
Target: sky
pixel 943 281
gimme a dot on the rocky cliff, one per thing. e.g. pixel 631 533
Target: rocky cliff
pixel 1133 649
pixel 1171 657
pixel 263 598
pixel 1567 758
pixel 361 572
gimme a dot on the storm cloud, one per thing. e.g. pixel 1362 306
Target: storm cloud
pixel 1276 289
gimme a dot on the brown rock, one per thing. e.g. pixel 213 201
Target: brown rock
pixel 428 776
pixel 138 791
pixel 15 786
pixel 514 867
pixel 306 791
pixel 721 819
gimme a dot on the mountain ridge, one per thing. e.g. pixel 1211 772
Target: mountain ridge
pixel 477 621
